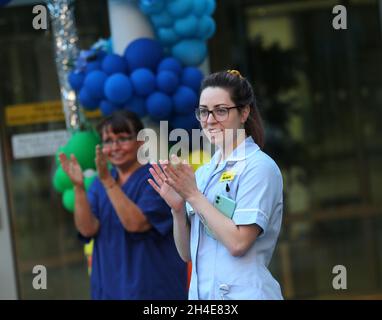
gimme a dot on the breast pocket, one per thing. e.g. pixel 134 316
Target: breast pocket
pixel 226 290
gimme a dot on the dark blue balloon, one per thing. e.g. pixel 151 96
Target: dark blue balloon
pixel 171 64
pixel 92 66
pixel 192 77
pixel 159 106
pixel 187 122
pixel 118 88
pixel 4 2
pixel 137 105
pixel 76 80
pixel 101 54
pixel 94 83
pixel 167 81
pixel 185 100
pixel 143 53
pixel 107 107
pixel 87 101
pixel 143 81
pixel 113 63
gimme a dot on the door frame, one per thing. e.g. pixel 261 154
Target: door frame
pixel 8 279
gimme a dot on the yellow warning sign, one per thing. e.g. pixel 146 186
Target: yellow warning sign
pixel 35 113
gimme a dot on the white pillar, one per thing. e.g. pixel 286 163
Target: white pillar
pixel 127 23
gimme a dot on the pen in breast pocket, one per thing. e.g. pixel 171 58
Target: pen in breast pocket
pixel 227 187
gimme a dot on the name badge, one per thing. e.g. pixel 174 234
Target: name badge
pixel 227 176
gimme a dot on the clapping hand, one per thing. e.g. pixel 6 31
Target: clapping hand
pixel 72 168
pixel 172 198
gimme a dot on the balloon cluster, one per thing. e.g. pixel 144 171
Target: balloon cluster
pixel 82 144
pixel 143 80
pixel 182 26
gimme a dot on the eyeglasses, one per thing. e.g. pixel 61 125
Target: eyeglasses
pixel 120 141
pixel 219 113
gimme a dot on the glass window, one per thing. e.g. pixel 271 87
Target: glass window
pixel 43 231
pixel 319 91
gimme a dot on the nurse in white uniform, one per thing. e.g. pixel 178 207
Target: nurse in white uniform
pixel 227 216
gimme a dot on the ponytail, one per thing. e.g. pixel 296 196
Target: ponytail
pixel 254 126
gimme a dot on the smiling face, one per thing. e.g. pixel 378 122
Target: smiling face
pixel 120 148
pixel 214 98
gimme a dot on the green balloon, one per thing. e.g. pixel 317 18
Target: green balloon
pixel 61 180
pixel 82 144
pixel 68 200
pixel 88 181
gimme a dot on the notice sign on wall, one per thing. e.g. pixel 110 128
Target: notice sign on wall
pixel 40 144
pixel 39 112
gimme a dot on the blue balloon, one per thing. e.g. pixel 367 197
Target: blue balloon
pixel 113 63
pixel 162 19
pixel 87 101
pixel 206 27
pixel 199 7
pixel 4 2
pixel 143 53
pixel 187 122
pixel 210 7
pixel 137 105
pixel 143 81
pixel 76 80
pixel 185 100
pixel 190 52
pixel 94 84
pixel 186 27
pixel 159 106
pixel 167 81
pixel 192 77
pixel 179 8
pixel 167 36
pixel 101 54
pixel 151 6
pixel 92 66
pixel 118 88
pixel 171 64
pixel 107 107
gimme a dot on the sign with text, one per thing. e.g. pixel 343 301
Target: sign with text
pixel 41 112
pixel 41 144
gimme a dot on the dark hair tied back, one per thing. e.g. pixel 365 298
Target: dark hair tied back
pixel 242 95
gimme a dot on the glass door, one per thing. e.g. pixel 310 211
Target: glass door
pixel 8 287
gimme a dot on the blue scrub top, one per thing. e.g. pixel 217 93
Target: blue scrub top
pixel 141 265
pixel 257 189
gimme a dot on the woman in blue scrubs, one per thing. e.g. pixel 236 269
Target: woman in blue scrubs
pixel 227 216
pixel 134 254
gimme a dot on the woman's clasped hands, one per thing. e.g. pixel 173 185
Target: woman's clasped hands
pixel 174 181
